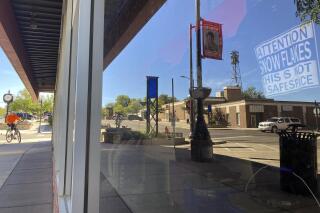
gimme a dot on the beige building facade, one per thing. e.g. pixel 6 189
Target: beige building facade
pixel 239 112
pixel 248 113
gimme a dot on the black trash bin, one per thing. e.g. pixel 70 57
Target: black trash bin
pixel 298 156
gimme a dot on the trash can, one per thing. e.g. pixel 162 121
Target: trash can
pixel 298 157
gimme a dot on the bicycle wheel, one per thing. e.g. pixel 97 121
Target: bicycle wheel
pixel 18 136
pixel 9 136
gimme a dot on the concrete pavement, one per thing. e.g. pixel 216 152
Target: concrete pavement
pixel 9 157
pixel 26 178
pixel 152 179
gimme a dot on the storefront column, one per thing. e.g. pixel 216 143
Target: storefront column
pixel 88 26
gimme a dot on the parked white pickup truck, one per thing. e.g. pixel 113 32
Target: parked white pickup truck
pixel 277 123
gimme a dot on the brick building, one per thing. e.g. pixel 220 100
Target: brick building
pixel 247 113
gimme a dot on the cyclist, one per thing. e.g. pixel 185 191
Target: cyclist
pixel 12 120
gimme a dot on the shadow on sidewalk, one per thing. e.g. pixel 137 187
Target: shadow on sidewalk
pixel 264 187
pixel 153 178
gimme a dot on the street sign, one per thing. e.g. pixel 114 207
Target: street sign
pixel 152 87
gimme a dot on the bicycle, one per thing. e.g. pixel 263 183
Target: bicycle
pixel 13 133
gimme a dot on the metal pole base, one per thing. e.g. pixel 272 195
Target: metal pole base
pixel 201 151
pixel 201 144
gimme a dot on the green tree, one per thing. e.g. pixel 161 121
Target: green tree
pixel 24 103
pixel 135 106
pixel 124 105
pixel 308 10
pixel 2 111
pixel 47 103
pixel 123 100
pixel 118 108
pixel 165 99
pixel 253 93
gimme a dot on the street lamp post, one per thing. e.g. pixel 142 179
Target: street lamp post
pixel 173 115
pixel 201 144
pixel 39 130
pixel 192 120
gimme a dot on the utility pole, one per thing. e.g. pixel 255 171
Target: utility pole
pixel 173 115
pixel 198 42
pixel 192 119
pixel 201 144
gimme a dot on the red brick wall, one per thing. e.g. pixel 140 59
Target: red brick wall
pixel 296 112
pixel 270 111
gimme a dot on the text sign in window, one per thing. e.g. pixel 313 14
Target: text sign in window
pixel 289 61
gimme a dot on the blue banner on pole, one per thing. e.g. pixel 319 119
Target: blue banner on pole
pixel 152 84
pixel 209 108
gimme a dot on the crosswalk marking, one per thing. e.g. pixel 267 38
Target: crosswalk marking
pixel 269 147
pixel 246 147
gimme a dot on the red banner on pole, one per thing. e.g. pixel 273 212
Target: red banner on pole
pixel 212 40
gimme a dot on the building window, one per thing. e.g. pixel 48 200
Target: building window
pixel 238 118
pixel 256 108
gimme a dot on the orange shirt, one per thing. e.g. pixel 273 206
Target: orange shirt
pixel 12 118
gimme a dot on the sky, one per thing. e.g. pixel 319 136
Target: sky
pixel 161 49
pixel 9 79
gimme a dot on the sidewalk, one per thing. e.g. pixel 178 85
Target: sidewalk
pixel 155 179
pixel 26 178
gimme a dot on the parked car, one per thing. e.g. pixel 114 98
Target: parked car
pixel 277 123
pixel 25 116
pixel 134 117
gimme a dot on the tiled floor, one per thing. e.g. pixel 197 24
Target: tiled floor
pixel 28 188
pixel 152 179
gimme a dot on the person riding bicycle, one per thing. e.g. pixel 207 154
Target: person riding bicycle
pixel 11 120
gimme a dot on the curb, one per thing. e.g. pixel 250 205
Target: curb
pixel 219 142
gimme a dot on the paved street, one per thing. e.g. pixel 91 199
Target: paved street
pixel 251 145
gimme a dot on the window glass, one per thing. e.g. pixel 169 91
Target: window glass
pixel 260 68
